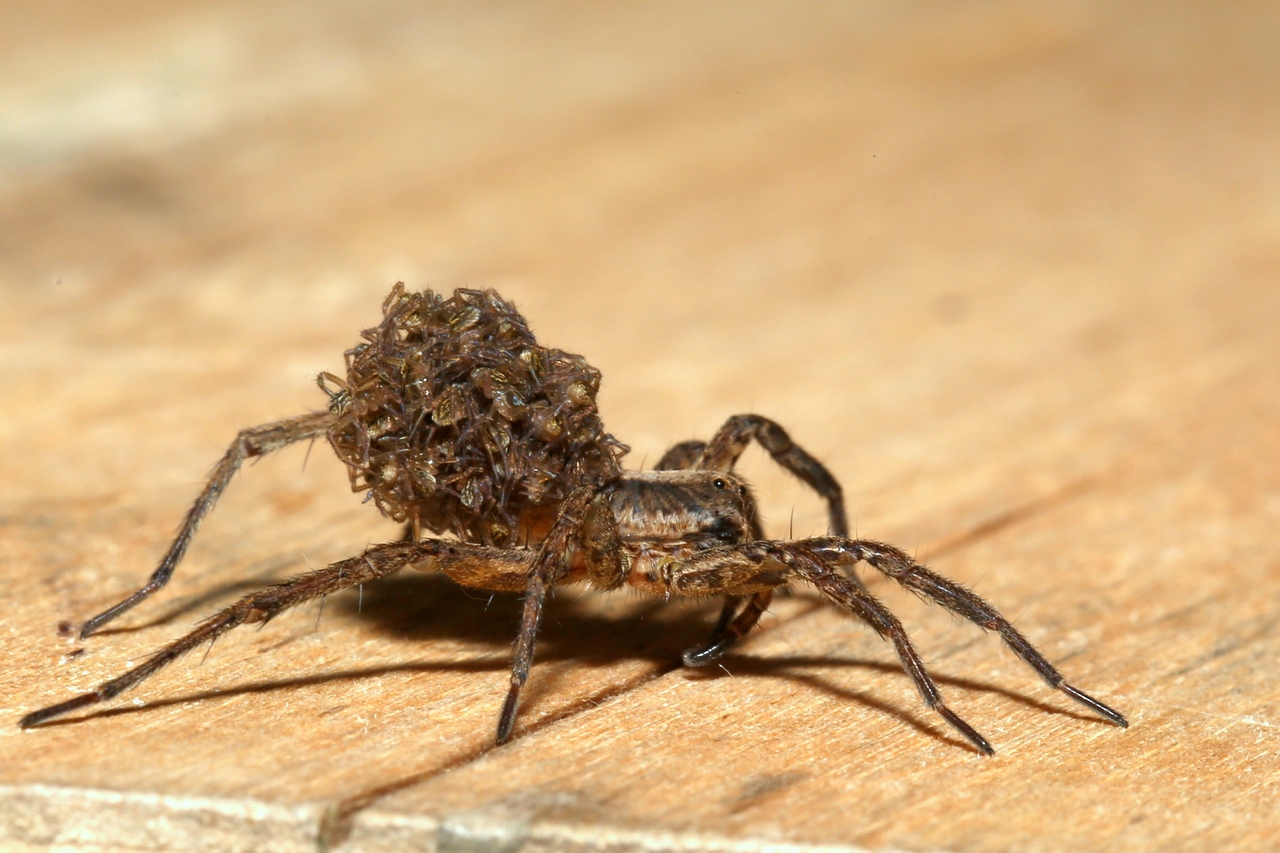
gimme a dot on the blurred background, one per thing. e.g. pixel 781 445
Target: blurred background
pixel 864 214
pixel 985 259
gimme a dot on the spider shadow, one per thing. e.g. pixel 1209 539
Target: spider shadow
pixel 201 602
pixel 733 665
pixel 220 595
pixel 429 607
pixel 576 625
pixel 586 628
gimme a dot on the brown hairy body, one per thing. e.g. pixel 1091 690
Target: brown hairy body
pixel 489 448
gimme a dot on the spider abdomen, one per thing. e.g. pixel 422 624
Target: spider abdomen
pixel 456 420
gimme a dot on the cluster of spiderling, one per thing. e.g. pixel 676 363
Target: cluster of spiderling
pixel 453 418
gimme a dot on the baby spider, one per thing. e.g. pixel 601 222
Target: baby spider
pixel 456 421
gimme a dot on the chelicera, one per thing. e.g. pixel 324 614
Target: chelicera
pixel 490 449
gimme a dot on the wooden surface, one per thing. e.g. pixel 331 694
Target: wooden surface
pixel 1011 269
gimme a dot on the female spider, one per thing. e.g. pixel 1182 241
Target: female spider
pixel 458 423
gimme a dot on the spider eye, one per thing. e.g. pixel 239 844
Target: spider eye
pixel 718 483
pixel 742 490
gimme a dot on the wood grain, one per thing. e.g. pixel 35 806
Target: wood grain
pixel 1010 269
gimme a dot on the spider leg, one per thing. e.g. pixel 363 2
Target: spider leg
pixel 730 607
pixel 260 606
pixel 470 565
pixel 255 441
pixel 681 457
pixel 722 452
pixel 476 566
pixel 762 566
pixel 729 631
pixel 584 512
pixel 961 601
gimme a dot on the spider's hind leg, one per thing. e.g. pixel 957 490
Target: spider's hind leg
pixel 260 606
pixel 255 441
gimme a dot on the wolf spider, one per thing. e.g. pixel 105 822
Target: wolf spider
pixel 457 422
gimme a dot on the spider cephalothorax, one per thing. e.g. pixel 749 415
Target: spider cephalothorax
pixel 456 421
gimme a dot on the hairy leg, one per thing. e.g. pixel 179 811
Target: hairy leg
pixel 259 606
pixel 959 600
pixel 470 565
pixel 551 565
pixel 476 566
pixel 255 441
pixel 857 601
pixel 760 567
pixel 729 631
pixel 681 457
pixel 722 452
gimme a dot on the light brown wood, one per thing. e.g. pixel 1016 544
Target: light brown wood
pixel 1010 269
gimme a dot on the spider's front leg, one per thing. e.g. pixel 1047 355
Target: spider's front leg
pixel 255 441
pixel 759 567
pixel 960 600
pixel 755 567
pixel 730 629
